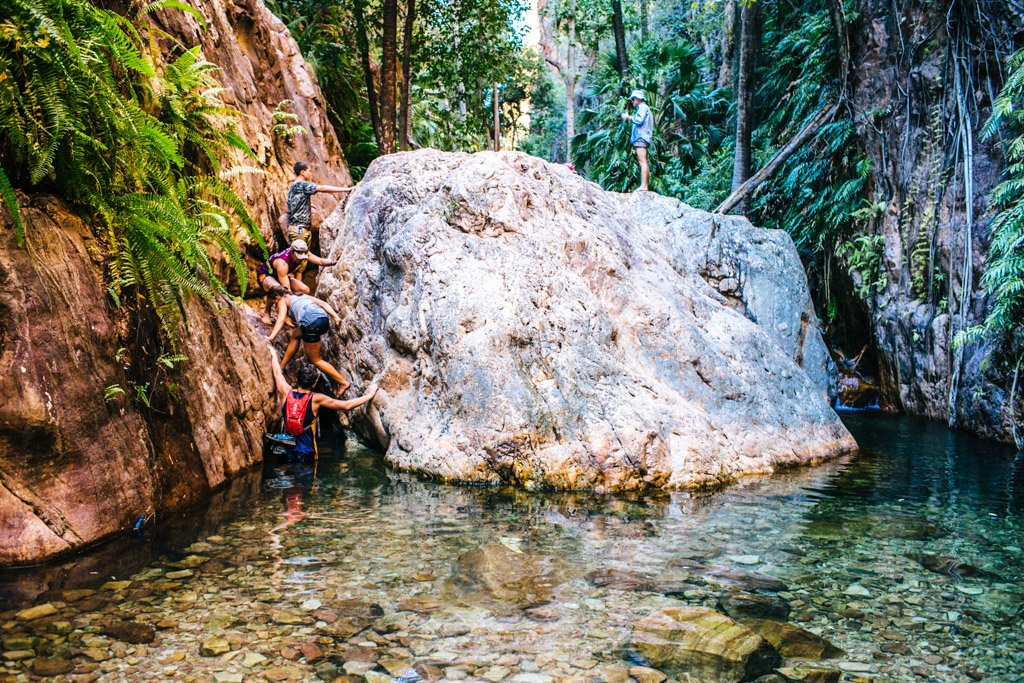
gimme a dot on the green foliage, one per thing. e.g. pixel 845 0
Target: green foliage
pixel 1003 281
pixel 85 113
pixel 865 259
pixel 688 120
pixel 546 137
pixel 285 122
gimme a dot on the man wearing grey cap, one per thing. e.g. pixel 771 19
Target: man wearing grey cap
pixel 642 135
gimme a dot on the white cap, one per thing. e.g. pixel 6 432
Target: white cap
pixel 300 248
pixel 639 95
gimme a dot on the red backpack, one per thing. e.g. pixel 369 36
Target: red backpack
pixel 295 413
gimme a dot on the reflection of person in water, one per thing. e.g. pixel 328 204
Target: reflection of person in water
pixel 293 514
pixel 293 507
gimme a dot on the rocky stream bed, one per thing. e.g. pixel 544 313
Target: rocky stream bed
pixel 902 564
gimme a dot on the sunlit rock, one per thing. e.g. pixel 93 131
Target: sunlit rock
pixel 528 327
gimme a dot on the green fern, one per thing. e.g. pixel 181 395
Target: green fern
pixel 1003 280
pixel 87 112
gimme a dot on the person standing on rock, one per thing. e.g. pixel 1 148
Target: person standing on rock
pixel 285 268
pixel 642 134
pixel 300 206
pixel 310 316
pixel 301 404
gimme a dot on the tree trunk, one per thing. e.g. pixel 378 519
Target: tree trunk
pixel 837 13
pixel 497 121
pixel 405 104
pixel 363 44
pixel 570 84
pixel 745 99
pixel 388 77
pixel 644 21
pixel 619 30
pixel 727 46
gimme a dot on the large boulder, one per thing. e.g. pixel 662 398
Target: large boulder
pixel 526 326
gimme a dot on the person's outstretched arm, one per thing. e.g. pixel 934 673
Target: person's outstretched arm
pixel 319 261
pixel 282 313
pixel 337 404
pixel 334 189
pixel 279 381
pixel 327 307
pixel 280 267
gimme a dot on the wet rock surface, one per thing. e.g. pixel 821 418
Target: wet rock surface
pixel 527 327
pixel 74 466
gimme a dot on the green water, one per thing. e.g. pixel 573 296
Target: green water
pixel 382 574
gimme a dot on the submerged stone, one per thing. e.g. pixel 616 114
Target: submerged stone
pixel 131 632
pixel 742 605
pixel 793 641
pixel 518 579
pixel 703 643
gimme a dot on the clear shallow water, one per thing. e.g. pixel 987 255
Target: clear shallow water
pixel 306 574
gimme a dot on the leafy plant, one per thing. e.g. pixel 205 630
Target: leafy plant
pixel 286 123
pixel 87 113
pixel 1003 281
pixel 112 392
pixel 864 257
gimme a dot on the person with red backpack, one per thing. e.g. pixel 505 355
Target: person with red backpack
pixel 301 405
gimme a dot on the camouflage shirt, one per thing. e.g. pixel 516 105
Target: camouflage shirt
pixel 299 205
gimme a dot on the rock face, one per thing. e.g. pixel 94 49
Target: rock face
pixel 75 467
pixel 528 327
pixel 706 645
pixel 261 67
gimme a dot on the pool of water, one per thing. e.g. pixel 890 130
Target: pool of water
pixel 906 557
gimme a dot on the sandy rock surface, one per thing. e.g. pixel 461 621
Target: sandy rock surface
pixel 526 326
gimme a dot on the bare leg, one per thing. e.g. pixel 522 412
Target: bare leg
pixel 293 346
pixel 645 171
pixel 298 285
pixel 268 282
pixel 313 354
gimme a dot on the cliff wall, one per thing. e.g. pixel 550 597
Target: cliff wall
pixel 79 459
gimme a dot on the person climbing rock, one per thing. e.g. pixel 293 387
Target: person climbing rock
pixel 310 316
pixel 285 268
pixel 300 405
pixel 300 205
pixel 642 134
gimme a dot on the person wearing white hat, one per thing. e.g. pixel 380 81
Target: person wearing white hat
pixel 285 268
pixel 642 134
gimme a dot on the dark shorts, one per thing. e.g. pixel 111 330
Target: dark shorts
pixel 311 333
pixel 261 276
pixel 640 144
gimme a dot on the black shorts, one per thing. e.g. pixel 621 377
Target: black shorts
pixel 311 333
pixel 640 144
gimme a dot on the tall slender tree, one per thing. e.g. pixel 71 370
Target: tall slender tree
pixel 388 76
pixel 749 45
pixel 363 45
pixel 619 29
pixel 405 103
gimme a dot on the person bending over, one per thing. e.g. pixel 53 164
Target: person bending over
pixel 300 207
pixel 300 405
pixel 310 316
pixel 285 269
